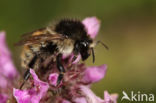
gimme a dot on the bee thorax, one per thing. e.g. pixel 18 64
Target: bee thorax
pixel 67 47
pixel 67 50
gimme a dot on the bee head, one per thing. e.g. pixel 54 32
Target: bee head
pixel 83 47
pixel 86 48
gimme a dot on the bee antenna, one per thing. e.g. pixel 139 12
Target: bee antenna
pixel 93 55
pixel 102 44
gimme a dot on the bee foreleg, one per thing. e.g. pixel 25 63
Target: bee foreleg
pixel 60 68
pixel 75 53
pixel 74 58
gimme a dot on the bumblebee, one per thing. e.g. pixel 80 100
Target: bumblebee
pixel 64 38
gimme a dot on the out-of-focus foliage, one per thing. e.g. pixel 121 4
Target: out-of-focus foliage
pixel 128 28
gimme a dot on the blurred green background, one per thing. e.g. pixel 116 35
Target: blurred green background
pixel 128 28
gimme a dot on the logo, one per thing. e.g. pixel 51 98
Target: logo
pixel 137 96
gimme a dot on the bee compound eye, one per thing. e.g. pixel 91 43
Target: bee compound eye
pixel 84 44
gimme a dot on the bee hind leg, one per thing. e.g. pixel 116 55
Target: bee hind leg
pixel 27 73
pixel 60 68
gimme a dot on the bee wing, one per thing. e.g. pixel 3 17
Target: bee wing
pixel 38 31
pixel 40 38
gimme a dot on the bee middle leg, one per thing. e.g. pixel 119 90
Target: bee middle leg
pixel 60 68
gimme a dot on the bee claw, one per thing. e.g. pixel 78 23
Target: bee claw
pixel 22 85
pixel 59 80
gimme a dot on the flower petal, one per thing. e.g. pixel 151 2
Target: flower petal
pixel 4 82
pixel 94 74
pixel 110 98
pixel 92 98
pixel 80 100
pixel 3 98
pixel 34 94
pixel 53 79
pixel 92 25
pixel 42 86
pixel 22 96
pixel 8 68
pixel 3 47
pixel 89 95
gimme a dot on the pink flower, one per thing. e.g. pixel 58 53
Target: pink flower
pixel 92 25
pixel 8 72
pixel 7 67
pixel 34 94
pixel 95 73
